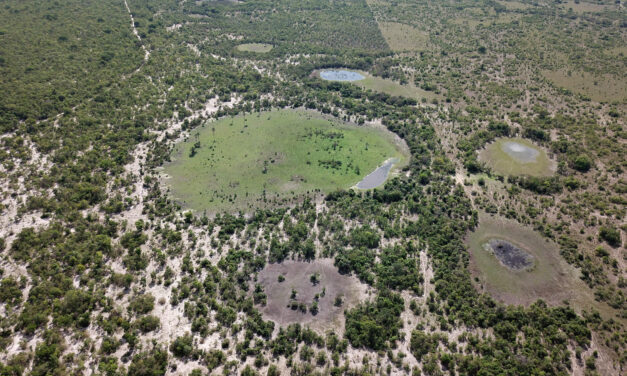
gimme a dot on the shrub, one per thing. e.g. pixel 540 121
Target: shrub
pixel 10 291
pixel 182 347
pixel 150 363
pixel 142 304
pixel 147 323
pixel 611 235
pixel 582 163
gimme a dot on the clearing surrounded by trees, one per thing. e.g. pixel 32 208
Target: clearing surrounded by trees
pixel 269 158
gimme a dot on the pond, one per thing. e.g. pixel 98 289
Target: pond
pixel 378 176
pixel 521 153
pixel 509 255
pixel 341 75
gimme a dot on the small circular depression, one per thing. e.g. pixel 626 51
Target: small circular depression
pixel 520 152
pixel 509 255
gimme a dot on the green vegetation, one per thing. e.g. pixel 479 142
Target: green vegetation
pixel 500 161
pixel 265 158
pixel 390 87
pixel 398 89
pixel 255 47
pixel 101 267
pixel 375 324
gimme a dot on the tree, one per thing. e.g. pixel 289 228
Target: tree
pixel 582 163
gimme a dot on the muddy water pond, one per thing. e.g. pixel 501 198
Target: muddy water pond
pixel 341 75
pixel 378 176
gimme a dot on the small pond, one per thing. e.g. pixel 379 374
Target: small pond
pixel 521 153
pixel 378 176
pixel 341 75
pixel 509 255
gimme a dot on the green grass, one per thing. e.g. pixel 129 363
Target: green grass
pixel 255 47
pixel 266 158
pixel 390 87
pixel 499 161
pixel 394 88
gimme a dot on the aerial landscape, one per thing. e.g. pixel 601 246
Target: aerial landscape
pixel 313 187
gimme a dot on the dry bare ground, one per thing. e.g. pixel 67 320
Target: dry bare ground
pixel 297 277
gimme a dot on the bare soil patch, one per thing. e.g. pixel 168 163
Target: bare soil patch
pixel 284 308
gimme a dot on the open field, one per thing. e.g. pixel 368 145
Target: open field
pixel 390 87
pixel 583 7
pixel 599 88
pixel 394 88
pixel 514 5
pixel 401 37
pixel 298 278
pixel 255 47
pixel 504 161
pixel 260 159
pixel 550 278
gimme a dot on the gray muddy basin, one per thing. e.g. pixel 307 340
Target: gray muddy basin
pixel 341 75
pixel 378 176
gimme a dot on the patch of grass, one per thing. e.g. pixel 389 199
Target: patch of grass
pixel 391 87
pixel 402 37
pixel 550 278
pixel 582 7
pixel 261 159
pixel 514 5
pixel 261 48
pixel 599 88
pixel 394 88
pixel 501 162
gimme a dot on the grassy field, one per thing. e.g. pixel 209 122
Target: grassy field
pixel 401 37
pixel 551 278
pixel 268 158
pixel 394 88
pixel 502 163
pixel 583 7
pixel 255 47
pixel 391 87
pixel 599 88
pixel 514 5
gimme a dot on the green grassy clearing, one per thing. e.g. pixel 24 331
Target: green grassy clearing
pixel 266 158
pixel 394 88
pixel 502 163
pixel 261 48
